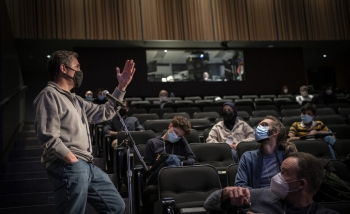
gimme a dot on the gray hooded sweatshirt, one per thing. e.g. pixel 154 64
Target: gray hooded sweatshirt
pixel 62 122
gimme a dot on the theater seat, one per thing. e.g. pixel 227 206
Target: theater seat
pixel 231 172
pixel 246 146
pixel 318 148
pixel 189 186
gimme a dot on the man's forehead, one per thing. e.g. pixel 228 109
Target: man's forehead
pixel 289 164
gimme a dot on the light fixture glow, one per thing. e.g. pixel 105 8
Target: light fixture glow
pixel 165 51
pixel 324 55
pixel 48 56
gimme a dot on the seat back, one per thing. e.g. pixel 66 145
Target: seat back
pixel 144 117
pixel 318 148
pixel 231 173
pixel 193 98
pixel 342 170
pixel 188 185
pixel 218 155
pixel 206 134
pixel 250 97
pixel 254 121
pixel 339 206
pixel 244 115
pixel 200 124
pixel 331 119
pixel 193 137
pixel 264 113
pixel 160 111
pixel 189 110
pixel 271 96
pixel 325 111
pixel 129 99
pixel 136 111
pixel 137 136
pixel 212 116
pixel 232 97
pixel 248 109
pixel 157 125
pixel 344 112
pixel 151 99
pixel 342 149
pixel 246 146
pixel 290 112
pixel 288 121
pixel 263 101
pixel 342 131
pixel 173 114
pixel 267 107
pixel 217 109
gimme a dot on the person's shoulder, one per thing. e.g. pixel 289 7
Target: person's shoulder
pixel 297 123
pixel 249 154
pixel 323 210
pixel 155 140
pixel 319 123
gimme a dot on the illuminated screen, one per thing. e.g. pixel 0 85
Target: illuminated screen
pixel 195 65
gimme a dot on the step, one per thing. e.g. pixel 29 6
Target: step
pixel 22 159
pixel 22 167
pixel 28 152
pixel 31 199
pixel 25 186
pixel 29 141
pixel 21 176
pixel 25 134
pixel 41 209
pixel 28 127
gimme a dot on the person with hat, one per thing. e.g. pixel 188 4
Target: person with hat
pixel 231 130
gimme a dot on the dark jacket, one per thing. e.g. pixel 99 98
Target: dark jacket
pixel 132 123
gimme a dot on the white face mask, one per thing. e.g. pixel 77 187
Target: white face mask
pixel 304 93
pixel 285 91
pixel 280 187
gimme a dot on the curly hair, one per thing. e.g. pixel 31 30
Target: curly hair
pixel 309 168
pixel 282 144
pixel 58 58
pixel 182 123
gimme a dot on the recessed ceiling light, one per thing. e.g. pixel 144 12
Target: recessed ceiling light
pixel 48 56
pixel 324 55
pixel 165 51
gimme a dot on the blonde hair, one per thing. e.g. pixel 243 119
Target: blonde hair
pixel 163 91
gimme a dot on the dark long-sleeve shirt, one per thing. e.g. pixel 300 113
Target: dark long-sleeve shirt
pixel 132 123
pixel 155 147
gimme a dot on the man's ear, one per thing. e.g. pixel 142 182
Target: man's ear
pixel 302 184
pixel 63 68
pixel 170 126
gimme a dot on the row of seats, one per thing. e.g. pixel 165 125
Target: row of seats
pixel 231 97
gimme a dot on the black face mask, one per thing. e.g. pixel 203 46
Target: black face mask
pixel 77 78
pixel 122 112
pixel 227 115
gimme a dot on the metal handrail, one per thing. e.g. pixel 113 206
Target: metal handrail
pixel 5 100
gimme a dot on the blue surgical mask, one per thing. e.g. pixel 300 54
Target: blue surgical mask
pixel 100 97
pixel 172 137
pixel 89 97
pixel 261 133
pixel 306 118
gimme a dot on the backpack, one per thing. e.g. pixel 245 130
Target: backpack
pixel 332 188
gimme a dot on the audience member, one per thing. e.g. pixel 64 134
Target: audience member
pixel 88 96
pixel 256 168
pixel 114 126
pixel 308 126
pixel 206 76
pixel 291 191
pixel 172 143
pixel 285 90
pixel 231 130
pixel 164 98
pixel 304 95
pixel 100 98
pixel 327 96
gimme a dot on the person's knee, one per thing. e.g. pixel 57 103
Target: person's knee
pixel 330 140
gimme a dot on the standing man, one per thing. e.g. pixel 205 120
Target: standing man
pixel 62 126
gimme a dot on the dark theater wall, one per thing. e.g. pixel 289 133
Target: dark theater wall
pixel 266 71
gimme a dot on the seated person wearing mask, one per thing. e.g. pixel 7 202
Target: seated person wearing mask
pixel 100 98
pixel 88 96
pixel 164 99
pixel 172 143
pixel 256 168
pixel 327 96
pixel 304 95
pixel 308 126
pixel 285 90
pixel 113 126
pixel 291 191
pixel 231 130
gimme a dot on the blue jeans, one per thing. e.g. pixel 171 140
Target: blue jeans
pixel 234 155
pixel 330 141
pixel 80 182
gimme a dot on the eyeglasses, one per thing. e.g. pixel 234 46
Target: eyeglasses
pixel 73 69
